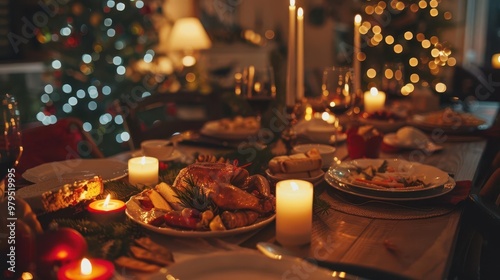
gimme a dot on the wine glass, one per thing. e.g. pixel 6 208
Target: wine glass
pixel 10 137
pixel 338 93
pixel 393 79
pixel 258 88
pixel 337 89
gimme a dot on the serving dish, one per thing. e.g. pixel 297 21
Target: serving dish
pixel 139 215
pixel 237 129
pixel 448 121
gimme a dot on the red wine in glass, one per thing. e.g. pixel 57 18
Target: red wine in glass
pixel 259 88
pixel 10 135
pixel 339 109
pixel 338 94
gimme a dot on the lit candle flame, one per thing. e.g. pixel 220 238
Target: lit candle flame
pixel 357 19
pixel 374 91
pixel 292 3
pixel 143 160
pixel 106 201
pixel 300 13
pixel 295 186
pixel 85 267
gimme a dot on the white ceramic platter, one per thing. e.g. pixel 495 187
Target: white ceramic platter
pixel 77 169
pixel 138 214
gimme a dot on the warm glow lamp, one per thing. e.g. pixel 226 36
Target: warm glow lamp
pixel 495 61
pixel 188 34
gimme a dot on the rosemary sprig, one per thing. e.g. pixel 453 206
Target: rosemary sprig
pixel 194 196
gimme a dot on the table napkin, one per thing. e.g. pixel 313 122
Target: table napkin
pixel 457 195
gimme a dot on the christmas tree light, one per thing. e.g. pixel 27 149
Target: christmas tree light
pixel 92 45
pixel 408 33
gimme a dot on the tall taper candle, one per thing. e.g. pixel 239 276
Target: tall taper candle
pixel 300 53
pixel 290 73
pixel 357 49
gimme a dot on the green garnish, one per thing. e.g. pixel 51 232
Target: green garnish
pixel 193 196
pixel 383 168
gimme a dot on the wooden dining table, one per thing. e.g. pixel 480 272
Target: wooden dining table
pixel 414 239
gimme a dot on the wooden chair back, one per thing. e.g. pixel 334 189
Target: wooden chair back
pixel 161 115
pixel 66 139
pixel 481 231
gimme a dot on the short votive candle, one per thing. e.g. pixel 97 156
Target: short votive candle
pixel 143 170
pixel 374 100
pixel 294 204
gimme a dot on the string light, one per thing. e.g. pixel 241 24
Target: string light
pixel 435 56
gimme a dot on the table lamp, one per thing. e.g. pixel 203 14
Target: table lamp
pixel 188 36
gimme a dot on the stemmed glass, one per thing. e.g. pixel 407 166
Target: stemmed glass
pixel 393 79
pixel 10 137
pixel 258 88
pixel 338 92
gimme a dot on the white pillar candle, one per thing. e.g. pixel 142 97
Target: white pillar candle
pixel 143 170
pixel 294 204
pixel 374 100
pixel 300 54
pixel 290 73
pixel 356 62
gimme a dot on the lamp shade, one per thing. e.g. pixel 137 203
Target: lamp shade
pixel 188 34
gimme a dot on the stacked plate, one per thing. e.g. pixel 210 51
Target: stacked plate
pixel 315 180
pixel 351 177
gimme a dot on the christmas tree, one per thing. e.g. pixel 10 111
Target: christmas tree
pixel 92 46
pixel 403 46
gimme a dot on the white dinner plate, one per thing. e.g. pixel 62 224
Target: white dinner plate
pixel 138 215
pixel 347 171
pixel 75 169
pixel 318 131
pixel 242 265
pixel 426 123
pixel 392 196
pixel 314 180
pixel 176 154
pixel 32 194
pixel 214 129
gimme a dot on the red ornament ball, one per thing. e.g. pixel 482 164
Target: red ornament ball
pixel 61 245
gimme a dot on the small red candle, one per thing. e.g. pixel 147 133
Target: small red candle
pixel 107 210
pixel 86 269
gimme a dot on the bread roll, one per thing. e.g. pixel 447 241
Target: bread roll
pixel 301 162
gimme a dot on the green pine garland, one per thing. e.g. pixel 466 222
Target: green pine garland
pixel 107 241
pixel 112 240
